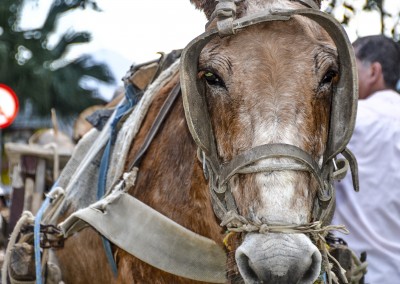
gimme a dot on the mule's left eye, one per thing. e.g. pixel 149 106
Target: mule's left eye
pixel 330 77
pixel 213 79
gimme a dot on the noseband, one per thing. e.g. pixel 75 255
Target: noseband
pixel 342 118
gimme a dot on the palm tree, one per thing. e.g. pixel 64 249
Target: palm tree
pixel 40 74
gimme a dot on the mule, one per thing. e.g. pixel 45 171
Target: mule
pixel 251 144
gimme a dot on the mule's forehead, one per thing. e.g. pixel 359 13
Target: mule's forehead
pixel 273 43
pixel 272 73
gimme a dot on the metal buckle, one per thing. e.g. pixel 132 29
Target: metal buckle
pixel 334 164
pixel 226 13
pixel 50 235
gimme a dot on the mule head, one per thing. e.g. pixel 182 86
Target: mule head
pixel 269 90
pixel 272 84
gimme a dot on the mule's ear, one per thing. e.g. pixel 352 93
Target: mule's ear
pixel 206 6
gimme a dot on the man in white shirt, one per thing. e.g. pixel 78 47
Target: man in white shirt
pixel 373 215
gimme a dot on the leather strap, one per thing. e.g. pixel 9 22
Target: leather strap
pixel 353 167
pixel 151 237
pixel 268 151
pixel 156 126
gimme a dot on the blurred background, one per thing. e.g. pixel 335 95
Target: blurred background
pixel 68 55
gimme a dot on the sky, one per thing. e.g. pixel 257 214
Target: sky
pixel 133 31
pixel 134 28
pixel 126 31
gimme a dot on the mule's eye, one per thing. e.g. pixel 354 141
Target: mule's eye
pixel 213 79
pixel 330 77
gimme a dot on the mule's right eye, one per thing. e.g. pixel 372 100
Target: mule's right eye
pixel 330 77
pixel 212 79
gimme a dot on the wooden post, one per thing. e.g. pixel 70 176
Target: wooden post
pixel 17 198
pixel 26 170
pixel 28 163
pixel 40 184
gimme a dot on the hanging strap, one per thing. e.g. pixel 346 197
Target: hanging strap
pixel 353 167
pixel 156 126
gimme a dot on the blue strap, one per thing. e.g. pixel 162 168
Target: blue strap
pixel 36 236
pixel 322 279
pixel 132 97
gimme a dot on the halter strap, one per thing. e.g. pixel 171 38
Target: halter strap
pixel 244 161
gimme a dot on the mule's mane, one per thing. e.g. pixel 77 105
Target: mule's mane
pixel 208 6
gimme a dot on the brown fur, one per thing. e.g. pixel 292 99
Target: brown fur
pixel 205 5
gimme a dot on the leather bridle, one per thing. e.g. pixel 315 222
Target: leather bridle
pixel 342 118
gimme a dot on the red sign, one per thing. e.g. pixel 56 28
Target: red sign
pixel 8 106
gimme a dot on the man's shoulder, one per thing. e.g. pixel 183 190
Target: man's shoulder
pixel 387 96
pixel 381 104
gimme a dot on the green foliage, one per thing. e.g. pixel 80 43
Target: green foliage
pixel 41 74
pixel 389 20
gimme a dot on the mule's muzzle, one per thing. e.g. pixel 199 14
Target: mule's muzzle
pixel 278 258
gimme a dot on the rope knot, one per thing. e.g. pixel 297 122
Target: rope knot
pixel 264 229
pixel 233 221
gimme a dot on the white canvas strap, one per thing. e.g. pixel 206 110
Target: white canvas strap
pixel 151 237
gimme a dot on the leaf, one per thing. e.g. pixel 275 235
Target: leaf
pixel 68 39
pixel 46 79
pixel 349 7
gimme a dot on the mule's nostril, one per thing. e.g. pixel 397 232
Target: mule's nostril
pixel 313 270
pixel 244 265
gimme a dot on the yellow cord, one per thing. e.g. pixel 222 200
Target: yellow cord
pixel 226 240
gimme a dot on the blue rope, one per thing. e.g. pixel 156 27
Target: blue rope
pixel 324 278
pixel 36 236
pixel 132 97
